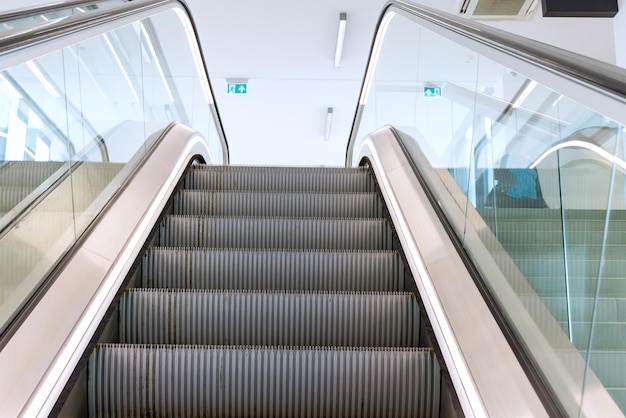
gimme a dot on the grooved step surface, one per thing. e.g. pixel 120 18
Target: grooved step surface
pixel 284 179
pixel 300 205
pixel 269 318
pixel 270 292
pixel 29 174
pixel 322 233
pixel 199 268
pixel 200 381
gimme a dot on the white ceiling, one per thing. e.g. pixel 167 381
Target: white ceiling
pixel 285 48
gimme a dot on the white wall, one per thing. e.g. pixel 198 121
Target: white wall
pixel 619 25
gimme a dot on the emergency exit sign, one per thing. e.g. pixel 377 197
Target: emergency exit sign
pixel 432 91
pixel 237 88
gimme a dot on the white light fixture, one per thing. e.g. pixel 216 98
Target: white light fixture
pixel 121 66
pixel 530 86
pixel 156 61
pixel 329 122
pixel 86 70
pixel 341 34
pixel 42 79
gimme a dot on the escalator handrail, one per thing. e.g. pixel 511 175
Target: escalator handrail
pixel 604 78
pixel 56 332
pixel 44 9
pixel 442 277
pixel 416 197
pixel 15 40
pixel 591 72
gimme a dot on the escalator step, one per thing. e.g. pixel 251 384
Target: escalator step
pixel 10 196
pixel 302 205
pixel 28 174
pixel 343 319
pixel 301 233
pixel 210 381
pixel 284 179
pixel 200 268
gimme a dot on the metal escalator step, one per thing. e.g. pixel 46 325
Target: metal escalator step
pixel 291 179
pixel 200 268
pixel 12 195
pixel 209 381
pixel 302 233
pixel 340 319
pixel 28 174
pixel 334 205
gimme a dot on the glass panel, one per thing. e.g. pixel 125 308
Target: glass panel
pixel 36 154
pixel 539 180
pixel 182 90
pixel 74 124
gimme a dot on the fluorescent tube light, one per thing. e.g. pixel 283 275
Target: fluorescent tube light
pixel 42 79
pixel 329 122
pixel 341 34
pixel 530 86
pixel 86 70
pixel 119 64
pixel 156 61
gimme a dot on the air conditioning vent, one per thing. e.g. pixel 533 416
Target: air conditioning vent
pixel 497 9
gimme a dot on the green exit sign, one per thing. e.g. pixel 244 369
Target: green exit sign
pixel 237 88
pixel 432 91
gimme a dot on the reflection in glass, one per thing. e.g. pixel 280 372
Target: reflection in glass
pixel 539 179
pixel 74 123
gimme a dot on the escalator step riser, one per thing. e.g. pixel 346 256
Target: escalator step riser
pixel 139 381
pixel 29 174
pixel 350 234
pixel 355 205
pixel 10 196
pixel 271 270
pixel 269 318
pixel 281 179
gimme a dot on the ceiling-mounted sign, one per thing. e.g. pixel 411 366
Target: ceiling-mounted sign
pixel 432 91
pixel 237 88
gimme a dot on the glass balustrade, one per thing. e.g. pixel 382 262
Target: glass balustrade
pixel 75 122
pixel 537 178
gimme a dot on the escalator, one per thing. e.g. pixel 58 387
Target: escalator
pixel 269 292
pixel 459 265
